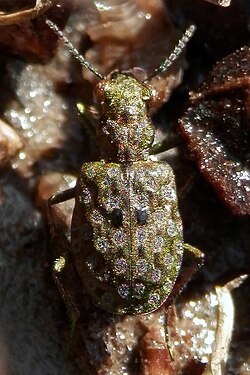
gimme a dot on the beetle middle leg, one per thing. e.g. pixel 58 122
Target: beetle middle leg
pixel 166 144
pixel 60 197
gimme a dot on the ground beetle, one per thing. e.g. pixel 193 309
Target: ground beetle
pixel 126 233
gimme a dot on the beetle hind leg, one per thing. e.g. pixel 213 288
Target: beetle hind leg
pixel 196 257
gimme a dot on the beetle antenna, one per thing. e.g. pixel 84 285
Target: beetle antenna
pixel 176 52
pixel 71 48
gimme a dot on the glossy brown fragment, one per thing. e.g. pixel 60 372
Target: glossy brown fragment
pixel 11 13
pixel 23 31
pixel 216 129
pixel 10 143
pixel 155 356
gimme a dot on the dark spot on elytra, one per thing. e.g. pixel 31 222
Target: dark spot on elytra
pixel 116 217
pixel 141 216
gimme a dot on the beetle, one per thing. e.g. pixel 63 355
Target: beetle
pixel 126 232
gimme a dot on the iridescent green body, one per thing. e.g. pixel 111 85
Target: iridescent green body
pixel 127 242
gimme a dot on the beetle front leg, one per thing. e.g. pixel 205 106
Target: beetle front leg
pixel 166 144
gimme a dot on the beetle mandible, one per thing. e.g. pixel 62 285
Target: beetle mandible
pixel 126 232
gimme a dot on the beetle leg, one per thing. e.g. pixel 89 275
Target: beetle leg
pixel 166 144
pixel 62 269
pixel 197 260
pixel 196 257
pixel 66 281
pixel 61 196
pixel 55 199
pixel 195 254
